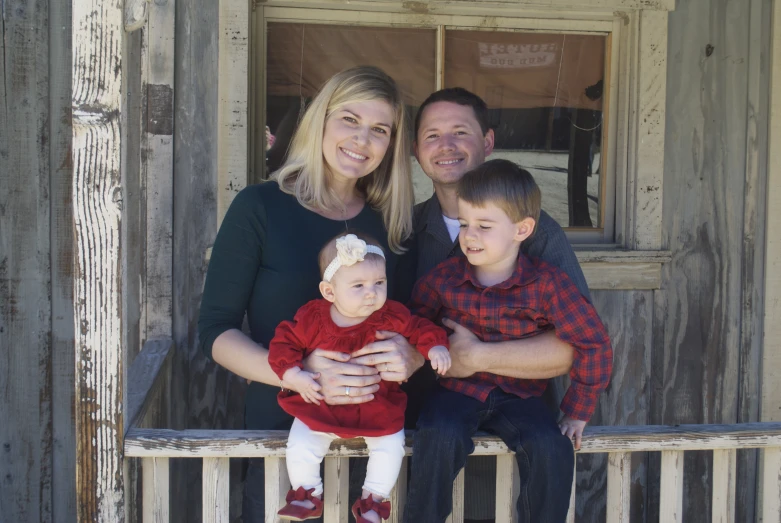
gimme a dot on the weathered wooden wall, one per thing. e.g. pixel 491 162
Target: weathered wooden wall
pixel 37 442
pixel 685 354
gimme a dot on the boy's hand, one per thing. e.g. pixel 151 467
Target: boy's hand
pixel 440 359
pixel 304 383
pixel 573 429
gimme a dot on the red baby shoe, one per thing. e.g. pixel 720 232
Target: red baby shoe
pixel 297 512
pixel 365 505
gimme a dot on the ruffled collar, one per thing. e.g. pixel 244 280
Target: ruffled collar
pixel 377 319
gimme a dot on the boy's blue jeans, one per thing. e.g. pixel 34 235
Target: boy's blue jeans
pixel 444 440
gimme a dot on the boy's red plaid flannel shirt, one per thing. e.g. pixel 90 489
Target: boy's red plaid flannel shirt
pixel 536 298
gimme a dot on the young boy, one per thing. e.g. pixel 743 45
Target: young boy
pixel 500 294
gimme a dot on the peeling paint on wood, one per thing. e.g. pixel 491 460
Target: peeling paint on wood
pixel 97 202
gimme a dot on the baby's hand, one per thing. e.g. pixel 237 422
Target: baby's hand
pixel 440 359
pixel 573 429
pixel 304 383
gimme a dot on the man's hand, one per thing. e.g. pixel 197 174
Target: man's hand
pixel 463 345
pixel 304 383
pixel 573 429
pixel 392 355
pixel 336 375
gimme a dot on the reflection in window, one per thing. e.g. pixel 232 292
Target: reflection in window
pixel 302 57
pixel 544 92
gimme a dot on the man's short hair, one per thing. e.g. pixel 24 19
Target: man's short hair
pixel 460 96
pixel 504 184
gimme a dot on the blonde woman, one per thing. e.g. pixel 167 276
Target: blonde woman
pixel 348 166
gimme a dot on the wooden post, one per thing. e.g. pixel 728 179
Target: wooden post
pixel 771 483
pixel 507 487
pixel 157 167
pixel 619 475
pixel 724 469
pixel 277 485
pixel 457 516
pixel 671 489
pixel 399 494
pixel 97 208
pixel 233 102
pixel 216 490
pixel 337 490
pixel 155 490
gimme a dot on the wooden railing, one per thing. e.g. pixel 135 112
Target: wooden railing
pixel 215 447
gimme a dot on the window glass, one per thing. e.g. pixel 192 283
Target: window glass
pixel 302 57
pixel 544 93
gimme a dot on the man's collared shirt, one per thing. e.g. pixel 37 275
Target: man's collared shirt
pixel 536 298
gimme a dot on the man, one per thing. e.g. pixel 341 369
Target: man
pixel 452 137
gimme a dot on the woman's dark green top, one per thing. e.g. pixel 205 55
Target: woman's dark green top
pixel 264 264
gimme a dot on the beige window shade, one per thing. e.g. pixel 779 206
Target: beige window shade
pixel 525 70
pixel 302 57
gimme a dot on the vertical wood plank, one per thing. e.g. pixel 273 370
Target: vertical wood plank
pixel 232 130
pixel 457 516
pixel 753 269
pixel 336 496
pixel 619 474
pixel 771 340
pixel 771 483
pixel 671 488
pixel 62 256
pixel 155 490
pixel 651 127
pixel 277 485
pixel 507 487
pixel 724 469
pixel 97 203
pixel 216 490
pixel 399 494
pixel 157 164
pixel 26 438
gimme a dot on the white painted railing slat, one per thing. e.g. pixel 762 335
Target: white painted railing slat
pixel 771 486
pixel 457 516
pixel 155 490
pixel 398 497
pixel 216 490
pixel 724 467
pixel 507 487
pixel 619 475
pixel 277 485
pixel 337 490
pixel 571 511
pixel 671 487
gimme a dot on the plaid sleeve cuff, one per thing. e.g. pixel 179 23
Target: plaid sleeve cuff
pixel 580 402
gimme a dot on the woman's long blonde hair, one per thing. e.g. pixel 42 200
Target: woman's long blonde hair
pixel 388 188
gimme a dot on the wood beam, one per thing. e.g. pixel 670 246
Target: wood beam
pixel 97 298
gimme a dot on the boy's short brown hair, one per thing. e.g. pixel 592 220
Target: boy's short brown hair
pixel 504 184
pixel 328 252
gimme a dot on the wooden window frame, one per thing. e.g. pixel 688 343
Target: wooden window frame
pixel 636 107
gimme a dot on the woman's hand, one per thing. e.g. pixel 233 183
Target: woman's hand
pixel 392 355
pixel 342 383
